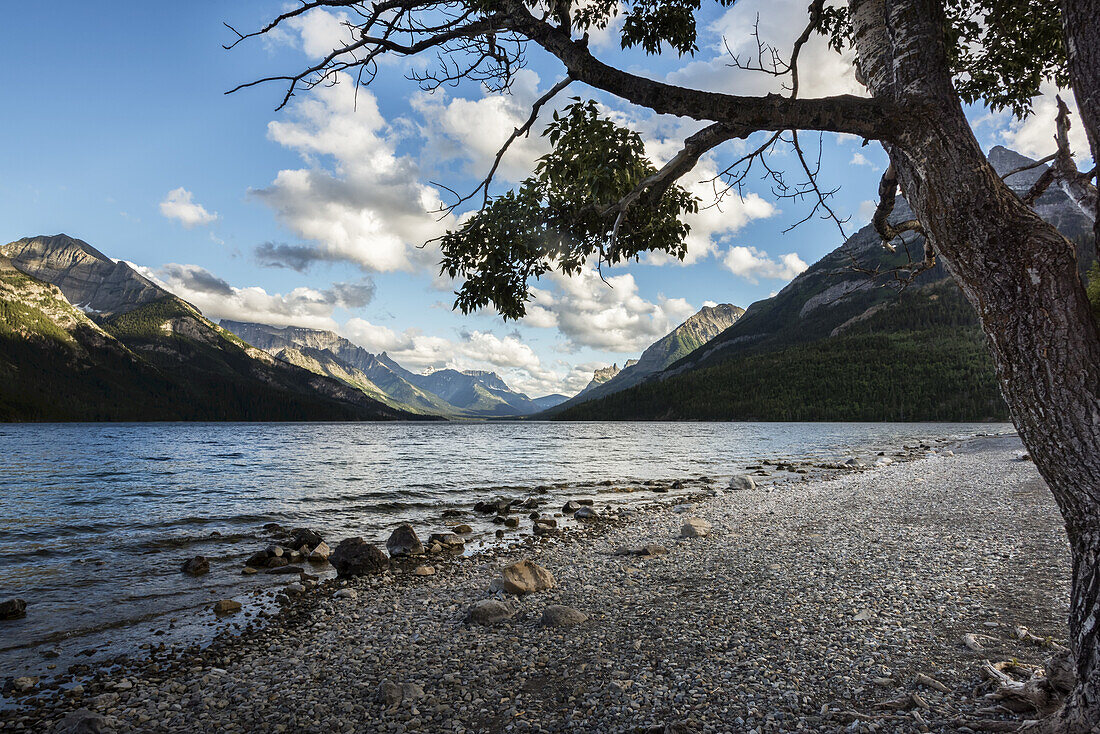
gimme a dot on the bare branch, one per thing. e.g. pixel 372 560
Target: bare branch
pixel 887 195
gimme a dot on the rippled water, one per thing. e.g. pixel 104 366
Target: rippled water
pixel 95 519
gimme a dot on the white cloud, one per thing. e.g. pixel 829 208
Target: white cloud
pixel 473 130
pixel 752 264
pixel 858 159
pixel 867 210
pixel 822 71
pixel 358 200
pixel 180 205
pixel 217 299
pixel 1034 135
pixel 610 316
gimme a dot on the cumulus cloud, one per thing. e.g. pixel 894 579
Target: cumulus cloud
pixel 180 205
pixel 358 200
pixel 753 264
pixel 473 130
pixel 822 71
pixel 217 299
pixel 858 159
pixel 610 315
pixel 1034 135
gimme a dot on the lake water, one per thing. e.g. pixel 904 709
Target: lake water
pixel 96 519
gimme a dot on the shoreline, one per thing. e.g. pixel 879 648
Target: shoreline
pixel 574 559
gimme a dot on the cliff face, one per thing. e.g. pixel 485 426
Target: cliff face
pixel 700 328
pixel 89 279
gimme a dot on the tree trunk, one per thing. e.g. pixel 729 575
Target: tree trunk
pixel 1081 23
pixel 1021 276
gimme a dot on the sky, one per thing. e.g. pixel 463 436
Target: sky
pixel 117 130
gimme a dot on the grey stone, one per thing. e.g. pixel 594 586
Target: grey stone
pixel 403 542
pixel 357 557
pixel 742 482
pixel 559 615
pixel 82 721
pixel 489 611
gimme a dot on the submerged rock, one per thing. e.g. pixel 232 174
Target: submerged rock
pixel 448 541
pixel 227 606
pixel 403 542
pixel 304 536
pixel 357 557
pixel 13 609
pixel 196 566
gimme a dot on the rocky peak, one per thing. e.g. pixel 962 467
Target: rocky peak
pixel 89 279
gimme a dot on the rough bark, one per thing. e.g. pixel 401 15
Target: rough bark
pixel 1021 276
pixel 1081 21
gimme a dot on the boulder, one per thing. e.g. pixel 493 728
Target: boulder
pixel 570 507
pixel 276 562
pixel 449 541
pixel 403 542
pixel 489 611
pixel 284 570
pixel 526 577
pixel 304 536
pixel 248 571
pixel 391 693
pixel 227 606
pixel 357 557
pixel 196 566
pixel 742 482
pixel 547 521
pixel 274 551
pixel 586 513
pixel 695 527
pixel 498 506
pixel 24 683
pixel 320 553
pixel 13 609
pixel 424 571
pixel 257 560
pixel 511 522
pixel 82 721
pixel 452 513
pixel 559 615
pixel 464 529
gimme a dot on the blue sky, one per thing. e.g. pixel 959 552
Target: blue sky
pixel 117 130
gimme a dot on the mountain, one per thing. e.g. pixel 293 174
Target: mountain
pixel 699 329
pixel 327 353
pixel 549 401
pixel 835 344
pixel 448 392
pixel 134 351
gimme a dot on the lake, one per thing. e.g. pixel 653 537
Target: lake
pixel 96 519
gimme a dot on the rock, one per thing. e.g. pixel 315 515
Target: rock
pixel 645 551
pixel 284 570
pixel 424 571
pixel 498 506
pixel 227 606
pixel 862 616
pixel 274 527
pixel 489 611
pixel 742 482
pixel 276 562
pixel 559 615
pixel 392 694
pixel 947 452
pixel 449 541
pixel 293 556
pixel 547 521
pixel 357 557
pixel 403 542
pixel 511 522
pixel 452 513
pixel 248 571
pixel 695 527
pixel 677 484
pixel 320 553
pixel 294 589
pixel 24 684
pixel 274 550
pixel 257 560
pixel 304 536
pixel 345 594
pixel 82 721
pixel 570 507
pixel 526 577
pixel 13 609
pixel 196 566
pixel 541 528
pixel 463 529
pixel 884 461
pixel 586 513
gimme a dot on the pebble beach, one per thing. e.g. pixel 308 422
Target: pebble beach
pixel 805 606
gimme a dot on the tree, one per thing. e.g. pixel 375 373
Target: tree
pixel 596 196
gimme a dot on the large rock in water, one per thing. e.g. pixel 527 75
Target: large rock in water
pixel 13 609
pixel 525 577
pixel 403 542
pixel 357 557
pixel 196 566
pixel 304 536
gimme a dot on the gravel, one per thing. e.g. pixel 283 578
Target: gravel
pixel 806 604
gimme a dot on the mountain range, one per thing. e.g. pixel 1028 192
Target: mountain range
pixel 87 338
pixel 838 344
